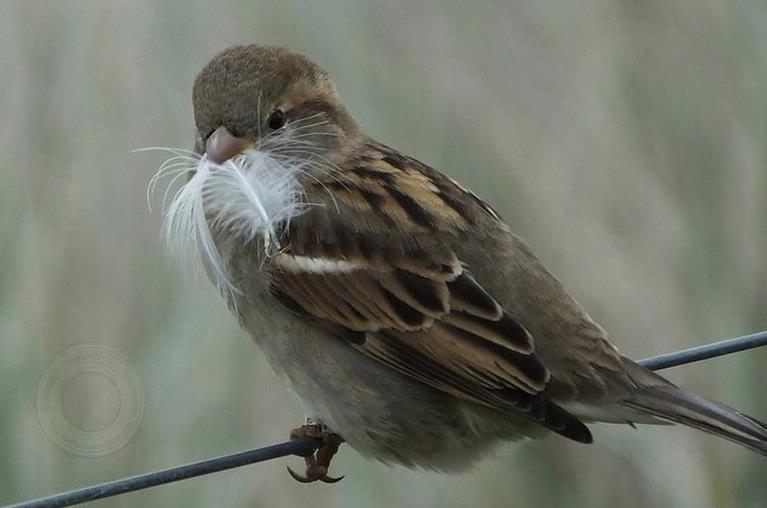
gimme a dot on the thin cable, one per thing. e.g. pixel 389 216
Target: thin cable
pixel 143 481
pixel 698 353
pixel 303 447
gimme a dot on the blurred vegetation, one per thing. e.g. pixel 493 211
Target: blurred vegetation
pixel 625 140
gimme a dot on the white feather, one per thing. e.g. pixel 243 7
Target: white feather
pixel 308 264
pixel 246 198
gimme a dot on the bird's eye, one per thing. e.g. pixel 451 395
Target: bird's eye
pixel 277 119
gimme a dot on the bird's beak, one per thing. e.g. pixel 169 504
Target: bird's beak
pixel 222 145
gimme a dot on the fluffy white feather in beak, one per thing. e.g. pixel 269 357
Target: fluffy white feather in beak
pixel 248 197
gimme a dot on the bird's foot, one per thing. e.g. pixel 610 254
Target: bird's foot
pixel 317 462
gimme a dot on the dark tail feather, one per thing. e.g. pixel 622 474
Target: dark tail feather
pixel 668 402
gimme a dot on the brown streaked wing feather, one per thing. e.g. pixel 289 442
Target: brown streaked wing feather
pixel 504 331
pixel 468 296
pixel 491 365
pixel 427 296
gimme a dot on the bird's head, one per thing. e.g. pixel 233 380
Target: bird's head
pixel 271 99
pixel 267 121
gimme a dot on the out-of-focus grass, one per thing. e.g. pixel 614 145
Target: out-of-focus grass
pixel 624 140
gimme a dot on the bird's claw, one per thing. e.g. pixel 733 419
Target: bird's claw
pixel 307 479
pixel 317 462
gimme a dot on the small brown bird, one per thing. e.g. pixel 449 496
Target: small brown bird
pixel 400 306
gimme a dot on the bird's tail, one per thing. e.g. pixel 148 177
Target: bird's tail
pixel 668 402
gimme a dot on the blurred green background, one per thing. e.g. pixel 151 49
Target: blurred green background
pixel 625 140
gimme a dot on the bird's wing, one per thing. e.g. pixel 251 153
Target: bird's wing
pixel 373 266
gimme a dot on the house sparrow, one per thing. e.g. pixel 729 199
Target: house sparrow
pixel 400 307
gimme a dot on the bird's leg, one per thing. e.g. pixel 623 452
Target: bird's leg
pixel 317 462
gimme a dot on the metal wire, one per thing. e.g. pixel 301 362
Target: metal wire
pixel 306 446
pixel 696 354
pixel 143 481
